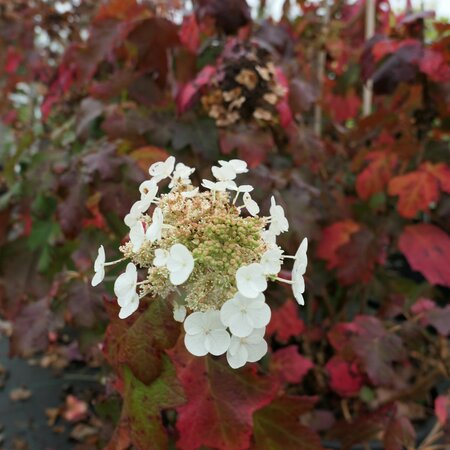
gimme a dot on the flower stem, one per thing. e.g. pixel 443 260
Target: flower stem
pixel 114 262
pixel 283 280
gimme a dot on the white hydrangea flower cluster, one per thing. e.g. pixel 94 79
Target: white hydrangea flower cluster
pixel 199 245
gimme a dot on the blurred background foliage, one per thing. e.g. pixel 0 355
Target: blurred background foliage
pixel 92 94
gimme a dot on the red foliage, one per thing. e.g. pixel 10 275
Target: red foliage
pixel 289 365
pixel 285 322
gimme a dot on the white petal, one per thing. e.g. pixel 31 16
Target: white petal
pixel 100 260
pixel 228 311
pixel 126 282
pixel 194 323
pixel 195 344
pixel 98 277
pixel 238 165
pixel 177 278
pixel 161 256
pixel 212 320
pixel 217 342
pixel 298 294
pixel 179 313
pixel 256 337
pixel 130 308
pixel 148 188
pixel 259 315
pixel 256 351
pixel 250 204
pixel 239 358
pixel 153 232
pixel 137 236
pixel 240 325
pixel 235 344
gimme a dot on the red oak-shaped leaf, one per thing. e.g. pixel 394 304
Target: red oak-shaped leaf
pixel 427 249
pixel 289 366
pixel 377 349
pixel 220 402
pixel 346 378
pixel 399 434
pixel 439 171
pixel 357 258
pixel 143 404
pixel 376 175
pixel 277 426
pixel 285 322
pixel 442 408
pixel 416 191
pixel 362 429
pixel 189 91
pixel 333 237
pixel 252 144
pixel 189 33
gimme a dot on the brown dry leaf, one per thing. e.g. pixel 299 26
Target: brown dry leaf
pixel 81 432
pixel 20 394
pixel 247 78
pixel 52 415
pixel 19 444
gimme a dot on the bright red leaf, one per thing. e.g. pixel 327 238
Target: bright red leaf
pixel 285 322
pixel 289 365
pixel 433 63
pixel 416 191
pixel 346 378
pixel 189 33
pixel 333 237
pixel 376 175
pixel 220 402
pixel 427 249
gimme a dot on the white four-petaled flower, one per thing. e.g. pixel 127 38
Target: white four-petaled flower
pixel 125 290
pixel 242 315
pixel 250 280
pixel 161 257
pixel 205 333
pixel 238 165
pixel 180 264
pixel 248 349
pixel 99 267
pixel 271 261
pixel 181 175
pixel 278 221
pixel 162 169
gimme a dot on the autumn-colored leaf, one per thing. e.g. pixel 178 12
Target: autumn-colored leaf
pixel 427 249
pixel 346 378
pixel 189 91
pixel 285 322
pixel 343 108
pixel 377 348
pixel 154 331
pixel 439 171
pixel 220 402
pixel 376 174
pixel 399 434
pixel 416 190
pixel 146 156
pixel 189 33
pixel 143 405
pixel 357 257
pixel 333 237
pixel 433 63
pixel 277 426
pixel 362 429
pixel 252 144
pixel 289 366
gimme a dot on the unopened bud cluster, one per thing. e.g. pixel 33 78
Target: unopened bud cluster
pixel 217 260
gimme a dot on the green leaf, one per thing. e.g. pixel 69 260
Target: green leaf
pixel 143 405
pixel 277 426
pixel 154 331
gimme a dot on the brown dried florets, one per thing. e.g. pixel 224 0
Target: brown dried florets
pixel 245 88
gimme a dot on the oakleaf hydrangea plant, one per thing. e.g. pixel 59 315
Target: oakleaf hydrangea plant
pixel 213 251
